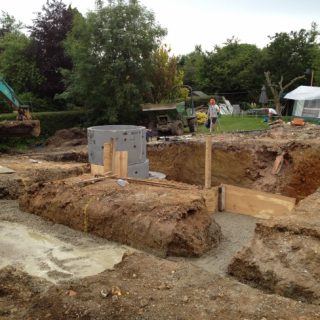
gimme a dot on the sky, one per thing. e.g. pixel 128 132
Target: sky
pixel 205 22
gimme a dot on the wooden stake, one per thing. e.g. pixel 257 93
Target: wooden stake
pixel 207 175
pixel 221 198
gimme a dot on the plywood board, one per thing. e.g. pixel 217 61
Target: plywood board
pixel 123 164
pixel 257 203
pixel 107 157
pixel 97 170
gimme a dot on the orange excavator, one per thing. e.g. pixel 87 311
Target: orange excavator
pixel 23 126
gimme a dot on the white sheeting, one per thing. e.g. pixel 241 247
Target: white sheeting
pixel 304 93
pixel 298 108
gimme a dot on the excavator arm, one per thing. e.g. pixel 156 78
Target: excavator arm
pixel 7 94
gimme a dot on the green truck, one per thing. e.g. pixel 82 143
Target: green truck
pixel 171 118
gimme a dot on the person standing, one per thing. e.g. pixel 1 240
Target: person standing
pixel 272 113
pixel 212 113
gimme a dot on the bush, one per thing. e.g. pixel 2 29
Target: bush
pixel 201 117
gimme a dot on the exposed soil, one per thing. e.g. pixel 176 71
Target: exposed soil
pixel 143 287
pixel 246 162
pixel 68 138
pixel 166 221
pixel 29 171
pixel 284 255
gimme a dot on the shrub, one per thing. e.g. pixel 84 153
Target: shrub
pixel 201 117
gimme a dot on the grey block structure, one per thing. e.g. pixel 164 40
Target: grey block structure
pixel 127 138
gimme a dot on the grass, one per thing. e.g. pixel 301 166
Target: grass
pixel 234 124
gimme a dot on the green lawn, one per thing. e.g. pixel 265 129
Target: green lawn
pixel 234 124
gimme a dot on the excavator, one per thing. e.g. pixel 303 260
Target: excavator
pixel 23 126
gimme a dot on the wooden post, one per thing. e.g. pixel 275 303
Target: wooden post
pixel 221 198
pixel 207 175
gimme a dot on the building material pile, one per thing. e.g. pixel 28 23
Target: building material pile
pixel 160 219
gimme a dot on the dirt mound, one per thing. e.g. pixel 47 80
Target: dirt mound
pixel 29 171
pixel 166 221
pixel 143 287
pixel 68 137
pixel 284 256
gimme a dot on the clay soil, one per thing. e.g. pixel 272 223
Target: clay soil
pixel 276 276
pixel 170 220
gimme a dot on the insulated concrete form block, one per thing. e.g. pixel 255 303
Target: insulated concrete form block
pixel 126 138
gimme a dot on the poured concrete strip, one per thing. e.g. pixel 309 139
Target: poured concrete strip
pixel 47 256
pixel 6 170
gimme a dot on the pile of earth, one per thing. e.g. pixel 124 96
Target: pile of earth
pixel 143 287
pixel 284 255
pixel 29 170
pixel 68 138
pixel 164 218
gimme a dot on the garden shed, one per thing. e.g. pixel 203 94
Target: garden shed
pixel 307 101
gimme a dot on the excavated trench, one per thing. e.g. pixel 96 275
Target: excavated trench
pixel 246 164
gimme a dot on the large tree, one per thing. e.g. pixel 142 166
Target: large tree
pixel 17 65
pixel 49 30
pixel 164 76
pixel 111 50
pixel 8 24
pixel 191 65
pixel 289 55
pixel 234 68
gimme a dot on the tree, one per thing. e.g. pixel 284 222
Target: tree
pixel 8 24
pixel 233 68
pixel 191 64
pixel 164 75
pixel 48 33
pixel 289 54
pixel 111 51
pixel 17 65
pixel 277 89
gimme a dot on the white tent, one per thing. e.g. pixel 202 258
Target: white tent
pixel 307 101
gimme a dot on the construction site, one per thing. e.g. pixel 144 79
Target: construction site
pixel 100 224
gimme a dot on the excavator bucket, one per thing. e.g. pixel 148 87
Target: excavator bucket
pixel 25 128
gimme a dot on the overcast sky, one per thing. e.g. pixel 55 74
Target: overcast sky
pixel 205 22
